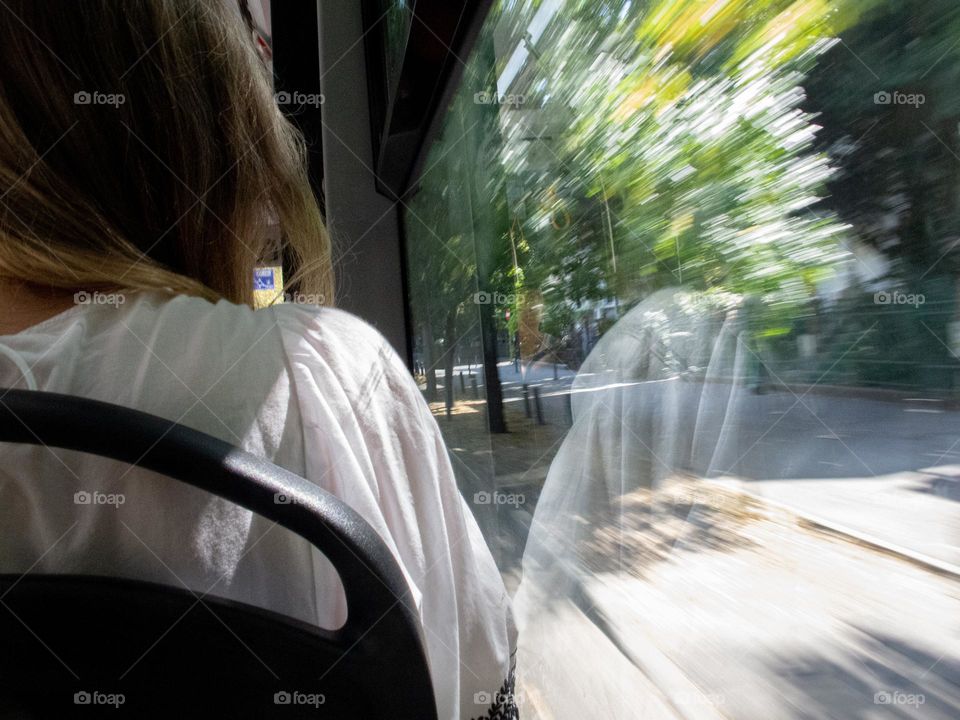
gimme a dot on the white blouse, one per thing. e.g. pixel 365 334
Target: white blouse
pixel 316 391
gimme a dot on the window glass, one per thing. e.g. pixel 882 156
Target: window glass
pixel 684 280
pixel 397 17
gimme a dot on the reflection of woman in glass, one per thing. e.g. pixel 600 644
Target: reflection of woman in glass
pixel 654 401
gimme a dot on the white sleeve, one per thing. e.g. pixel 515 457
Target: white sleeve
pixel 370 438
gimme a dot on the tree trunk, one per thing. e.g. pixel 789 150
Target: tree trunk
pixel 428 362
pixel 448 357
pixel 491 376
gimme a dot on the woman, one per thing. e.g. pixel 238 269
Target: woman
pixel 141 153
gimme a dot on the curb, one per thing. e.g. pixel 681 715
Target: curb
pixel 857 537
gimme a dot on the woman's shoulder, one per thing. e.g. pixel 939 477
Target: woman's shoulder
pixel 324 330
pixel 329 329
pixel 334 347
pixel 328 344
pixel 222 367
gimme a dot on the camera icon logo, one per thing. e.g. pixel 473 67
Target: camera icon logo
pixel 82 698
pixel 882 98
pixel 282 98
pixel 483 698
pixel 82 98
pixel 882 698
pixel 81 298
pixel 281 498
pixel 482 498
pixel 882 298
pixel 482 298
pixel 482 98
pixel 82 498
pixel 282 698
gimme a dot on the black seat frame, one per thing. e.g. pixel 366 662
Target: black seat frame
pixel 74 645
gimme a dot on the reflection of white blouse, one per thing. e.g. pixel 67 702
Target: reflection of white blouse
pixel 317 392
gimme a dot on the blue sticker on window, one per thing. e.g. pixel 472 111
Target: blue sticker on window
pixel 263 279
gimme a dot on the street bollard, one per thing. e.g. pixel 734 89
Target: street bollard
pixel 554 369
pixel 536 403
pixel 463 388
pixel 569 397
pixel 473 384
pixel 526 400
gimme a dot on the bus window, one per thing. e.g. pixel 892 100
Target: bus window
pixel 683 281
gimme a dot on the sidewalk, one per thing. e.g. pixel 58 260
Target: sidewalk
pixel 568 669
pixel 791 625
pixel 748 615
pixel 740 609
pixel 915 514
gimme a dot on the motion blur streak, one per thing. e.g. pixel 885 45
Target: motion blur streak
pixel 685 279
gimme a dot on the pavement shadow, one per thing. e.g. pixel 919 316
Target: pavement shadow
pixel 876 676
pixel 646 527
pixel 947 488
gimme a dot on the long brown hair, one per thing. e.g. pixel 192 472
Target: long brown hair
pixel 141 147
